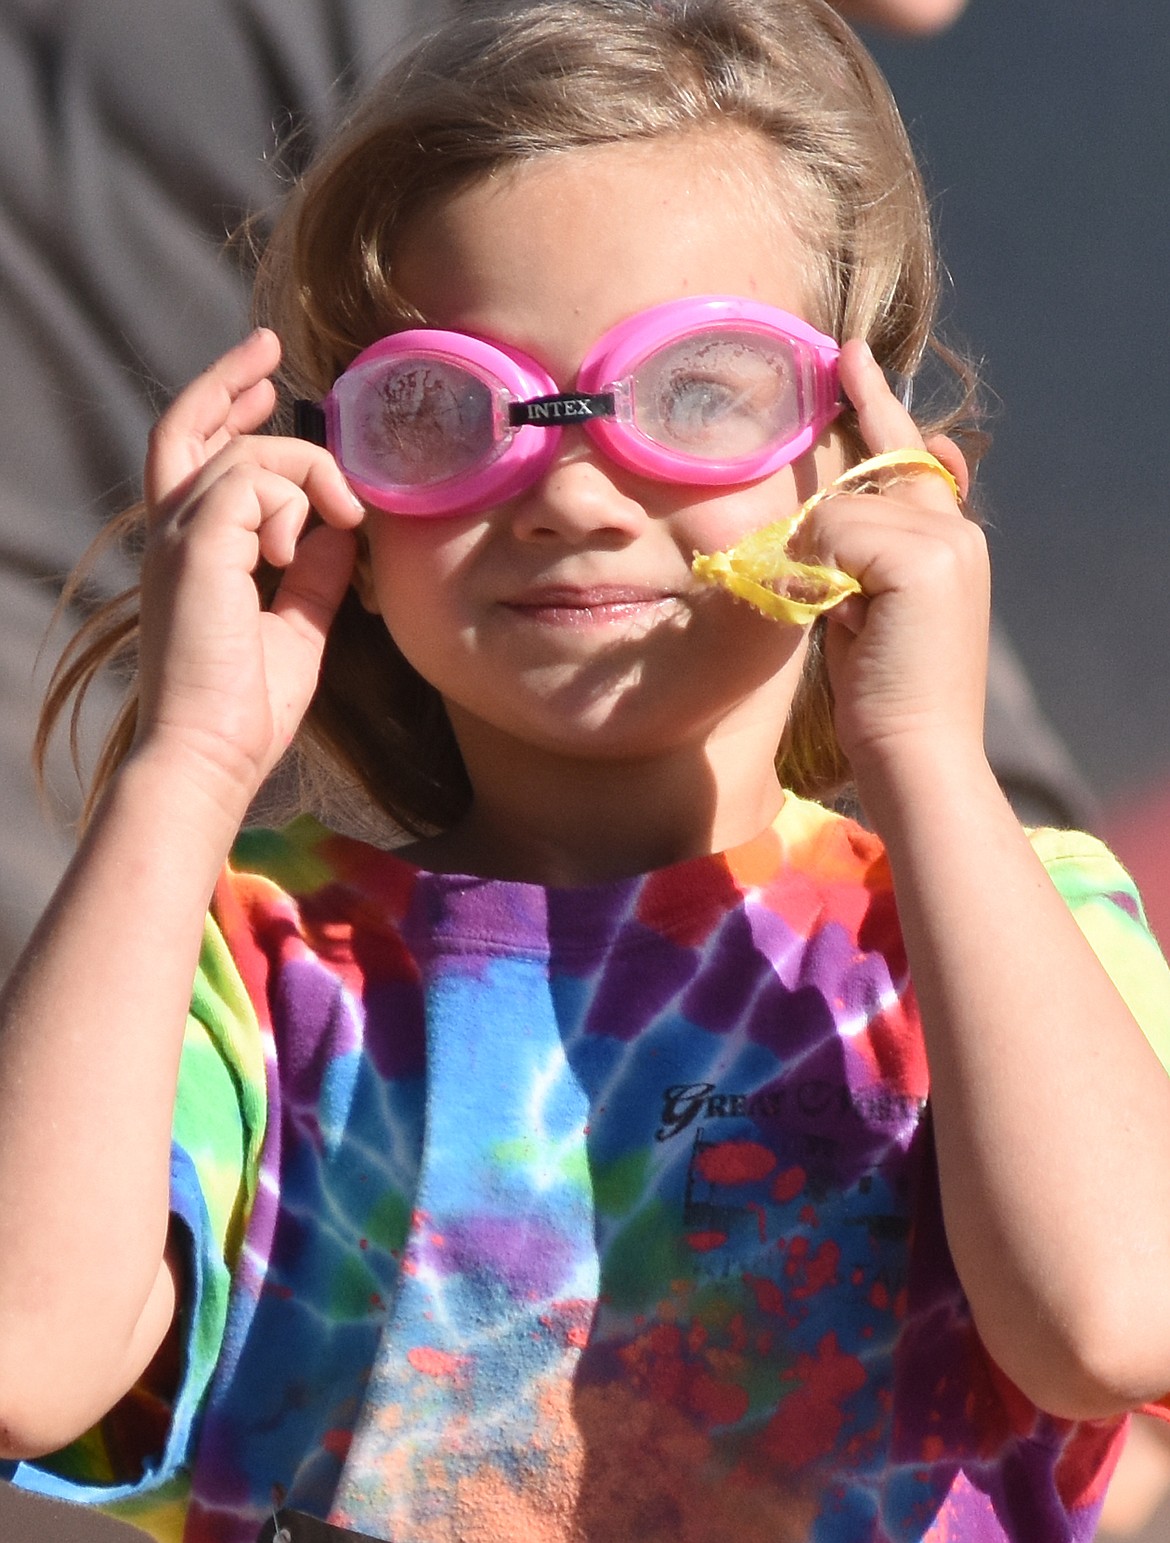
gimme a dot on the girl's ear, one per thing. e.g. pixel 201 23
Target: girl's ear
pixel 945 450
pixel 363 577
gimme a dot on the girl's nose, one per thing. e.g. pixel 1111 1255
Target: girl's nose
pixel 577 500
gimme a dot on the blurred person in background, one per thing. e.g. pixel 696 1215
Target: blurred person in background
pixel 137 136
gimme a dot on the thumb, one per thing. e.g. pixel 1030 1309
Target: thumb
pixel 313 585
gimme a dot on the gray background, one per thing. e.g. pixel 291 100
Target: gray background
pixel 1045 129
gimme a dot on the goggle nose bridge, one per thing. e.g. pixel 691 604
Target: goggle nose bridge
pixel 563 407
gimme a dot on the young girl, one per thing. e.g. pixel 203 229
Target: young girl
pixel 642 1151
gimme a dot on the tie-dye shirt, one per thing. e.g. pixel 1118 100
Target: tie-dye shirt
pixel 611 1214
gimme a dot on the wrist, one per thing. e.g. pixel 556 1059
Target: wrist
pixel 901 785
pixel 193 797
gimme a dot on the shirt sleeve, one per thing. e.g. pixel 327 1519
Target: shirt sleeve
pixel 133 1465
pixel 1106 904
pixel 1108 908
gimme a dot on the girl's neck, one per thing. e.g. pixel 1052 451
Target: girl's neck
pixel 549 819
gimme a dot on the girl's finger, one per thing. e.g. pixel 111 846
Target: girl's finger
pixel 291 472
pixel 234 396
pixel 315 582
pixel 252 498
pixel 885 424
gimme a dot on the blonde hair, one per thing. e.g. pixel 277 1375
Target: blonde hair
pixel 498 86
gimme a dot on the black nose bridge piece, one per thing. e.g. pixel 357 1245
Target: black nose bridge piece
pixel 554 412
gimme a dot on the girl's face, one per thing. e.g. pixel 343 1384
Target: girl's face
pixel 568 617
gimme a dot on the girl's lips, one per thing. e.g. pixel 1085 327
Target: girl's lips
pixel 567 605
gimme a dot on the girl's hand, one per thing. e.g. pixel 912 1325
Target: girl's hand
pixel 908 657
pixel 224 684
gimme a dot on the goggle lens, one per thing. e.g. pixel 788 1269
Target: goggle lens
pixel 720 396
pixel 415 421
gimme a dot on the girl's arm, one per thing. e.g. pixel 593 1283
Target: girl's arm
pixel 92 1020
pixel 1051 1111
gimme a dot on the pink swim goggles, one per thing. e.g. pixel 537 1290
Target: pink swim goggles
pixel 711 391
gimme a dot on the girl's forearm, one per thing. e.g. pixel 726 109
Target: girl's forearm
pixel 91 1028
pixel 1051 1111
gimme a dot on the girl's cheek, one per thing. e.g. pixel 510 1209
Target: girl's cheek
pixel 723 520
pixel 425 549
pixel 728 517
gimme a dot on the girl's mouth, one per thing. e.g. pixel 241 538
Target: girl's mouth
pixel 593 606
